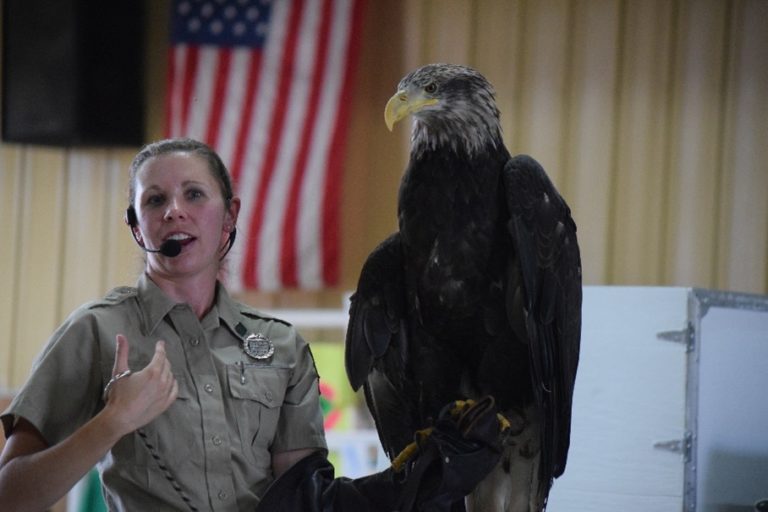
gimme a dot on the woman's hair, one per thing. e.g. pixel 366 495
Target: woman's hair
pixel 162 147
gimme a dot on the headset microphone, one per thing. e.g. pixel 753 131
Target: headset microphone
pixel 169 248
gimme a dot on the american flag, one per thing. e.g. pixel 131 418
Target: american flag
pixel 267 84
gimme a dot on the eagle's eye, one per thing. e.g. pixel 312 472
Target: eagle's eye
pixel 431 88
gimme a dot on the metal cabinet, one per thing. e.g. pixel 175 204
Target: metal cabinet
pixel 671 403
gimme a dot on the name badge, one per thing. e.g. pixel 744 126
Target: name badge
pixel 258 346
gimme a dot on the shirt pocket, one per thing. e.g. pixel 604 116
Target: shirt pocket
pixel 257 396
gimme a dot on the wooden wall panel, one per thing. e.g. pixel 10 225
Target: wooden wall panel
pixel 410 16
pixel 544 75
pixel 697 142
pixel 376 156
pixel 497 53
pixel 626 104
pixel 651 117
pixel 84 220
pixel 642 144
pixel 744 238
pixel 123 260
pixel 449 33
pixel 40 256
pixel 588 169
pixel 11 192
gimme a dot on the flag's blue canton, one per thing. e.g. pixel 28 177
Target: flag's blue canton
pixel 220 22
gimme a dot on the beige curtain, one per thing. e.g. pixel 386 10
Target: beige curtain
pixel 650 116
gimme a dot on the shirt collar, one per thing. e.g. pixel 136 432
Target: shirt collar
pixel 155 305
pixel 227 309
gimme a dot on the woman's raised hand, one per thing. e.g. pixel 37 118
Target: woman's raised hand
pixel 137 398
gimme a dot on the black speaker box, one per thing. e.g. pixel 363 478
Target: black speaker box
pixel 72 72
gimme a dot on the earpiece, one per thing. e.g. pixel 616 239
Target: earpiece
pixel 130 217
pixel 232 235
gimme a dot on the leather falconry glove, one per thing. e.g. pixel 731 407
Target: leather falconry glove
pixel 447 462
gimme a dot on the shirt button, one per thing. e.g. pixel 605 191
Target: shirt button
pixel 208 388
pixel 268 395
pixel 195 342
pixel 223 495
pixel 216 440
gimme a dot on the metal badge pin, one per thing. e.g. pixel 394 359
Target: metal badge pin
pixel 258 347
pixel 241 365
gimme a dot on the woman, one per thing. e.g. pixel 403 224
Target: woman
pixel 184 398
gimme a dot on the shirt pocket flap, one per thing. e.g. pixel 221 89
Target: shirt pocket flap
pixel 262 384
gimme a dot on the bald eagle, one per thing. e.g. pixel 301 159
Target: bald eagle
pixel 478 292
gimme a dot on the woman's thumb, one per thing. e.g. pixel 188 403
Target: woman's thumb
pixel 121 354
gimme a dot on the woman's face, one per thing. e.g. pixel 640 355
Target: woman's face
pixel 177 197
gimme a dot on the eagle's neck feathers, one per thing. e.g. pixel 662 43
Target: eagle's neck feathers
pixel 461 128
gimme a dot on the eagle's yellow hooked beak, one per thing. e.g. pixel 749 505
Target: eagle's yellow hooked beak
pixel 402 104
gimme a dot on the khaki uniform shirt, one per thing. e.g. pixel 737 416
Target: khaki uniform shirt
pixel 231 413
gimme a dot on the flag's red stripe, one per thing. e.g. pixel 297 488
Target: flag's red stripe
pixel 288 255
pixel 247 114
pixel 219 90
pixel 184 68
pixel 170 84
pixel 275 128
pixel 330 225
pixel 190 73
